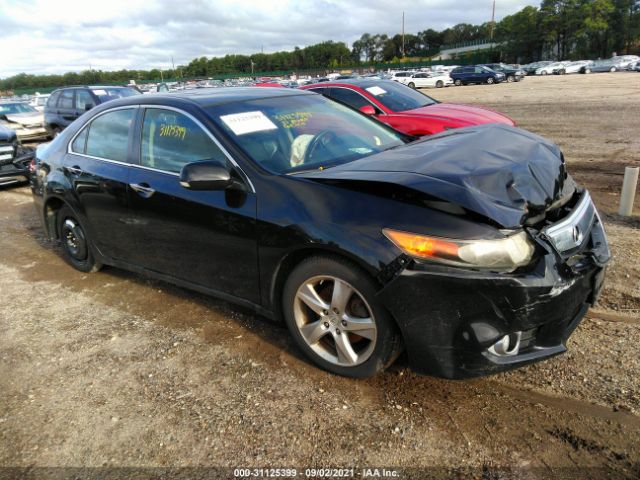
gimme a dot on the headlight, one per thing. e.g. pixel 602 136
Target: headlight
pixel 505 254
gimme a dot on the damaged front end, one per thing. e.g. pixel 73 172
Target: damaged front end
pixel 476 306
pixel 14 163
pixel 460 324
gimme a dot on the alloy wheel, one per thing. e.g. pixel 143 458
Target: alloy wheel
pixel 335 320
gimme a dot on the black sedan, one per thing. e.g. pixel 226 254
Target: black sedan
pixel 473 250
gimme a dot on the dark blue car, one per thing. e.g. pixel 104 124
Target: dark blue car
pixel 67 104
pixel 476 74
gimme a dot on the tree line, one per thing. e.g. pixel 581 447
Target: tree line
pixel 557 29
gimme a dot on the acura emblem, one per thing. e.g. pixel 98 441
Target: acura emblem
pixel 577 235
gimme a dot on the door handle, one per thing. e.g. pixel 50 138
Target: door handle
pixel 75 170
pixel 142 189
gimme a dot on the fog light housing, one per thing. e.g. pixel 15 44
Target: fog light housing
pixel 507 346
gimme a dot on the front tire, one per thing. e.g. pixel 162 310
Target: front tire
pixel 76 246
pixel 411 85
pixel 331 309
pixel 511 79
pixel 490 81
pixel 457 82
pixel 613 69
pixel 439 84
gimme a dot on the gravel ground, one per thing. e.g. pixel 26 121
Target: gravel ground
pixel 113 369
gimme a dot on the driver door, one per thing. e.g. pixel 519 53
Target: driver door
pixel 206 238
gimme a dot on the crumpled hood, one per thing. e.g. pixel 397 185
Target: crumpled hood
pixel 468 114
pixel 26 119
pixel 501 172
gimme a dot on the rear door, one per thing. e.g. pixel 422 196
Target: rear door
pixel 204 237
pixel 422 80
pixel 97 166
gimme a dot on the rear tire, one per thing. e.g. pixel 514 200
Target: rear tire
pixel 332 311
pixel 76 246
pixel 490 81
pixel 457 82
pixel 411 85
pixel 439 84
pixel 511 79
pixel 613 69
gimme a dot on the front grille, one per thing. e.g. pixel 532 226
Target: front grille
pixel 568 234
pixel 7 152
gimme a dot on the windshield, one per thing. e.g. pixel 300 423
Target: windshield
pixel 302 132
pixel 13 108
pixel 106 93
pixel 398 97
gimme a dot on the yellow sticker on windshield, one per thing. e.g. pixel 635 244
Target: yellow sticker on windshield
pixel 175 131
pixel 293 120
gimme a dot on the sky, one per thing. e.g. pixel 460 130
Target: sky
pixel 57 36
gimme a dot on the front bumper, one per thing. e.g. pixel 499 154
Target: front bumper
pixel 450 318
pixel 32 134
pixel 15 170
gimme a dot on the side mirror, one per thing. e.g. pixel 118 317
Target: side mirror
pixel 368 110
pixel 207 175
pixel 88 106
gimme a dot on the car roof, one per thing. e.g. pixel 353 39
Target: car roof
pixel 11 102
pixel 90 86
pixel 207 97
pixel 355 82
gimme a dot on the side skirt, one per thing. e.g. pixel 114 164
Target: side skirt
pixel 259 309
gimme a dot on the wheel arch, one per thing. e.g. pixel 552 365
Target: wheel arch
pixel 292 259
pixel 52 206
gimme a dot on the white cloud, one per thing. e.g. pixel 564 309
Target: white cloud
pixel 44 36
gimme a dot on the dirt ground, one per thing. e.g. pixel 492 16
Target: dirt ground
pixel 115 370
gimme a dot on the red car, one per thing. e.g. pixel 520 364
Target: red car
pixel 405 109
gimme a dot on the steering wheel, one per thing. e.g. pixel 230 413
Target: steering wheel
pixel 322 139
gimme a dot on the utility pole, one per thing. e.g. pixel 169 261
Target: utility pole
pixel 493 19
pixel 403 34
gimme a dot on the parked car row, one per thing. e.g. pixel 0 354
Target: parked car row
pixel 613 64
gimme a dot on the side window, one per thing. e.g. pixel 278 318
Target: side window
pixel 109 135
pixel 321 90
pixel 480 70
pixel 53 99
pixel 170 140
pixel 66 99
pixel 349 97
pixel 84 101
pixel 80 142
